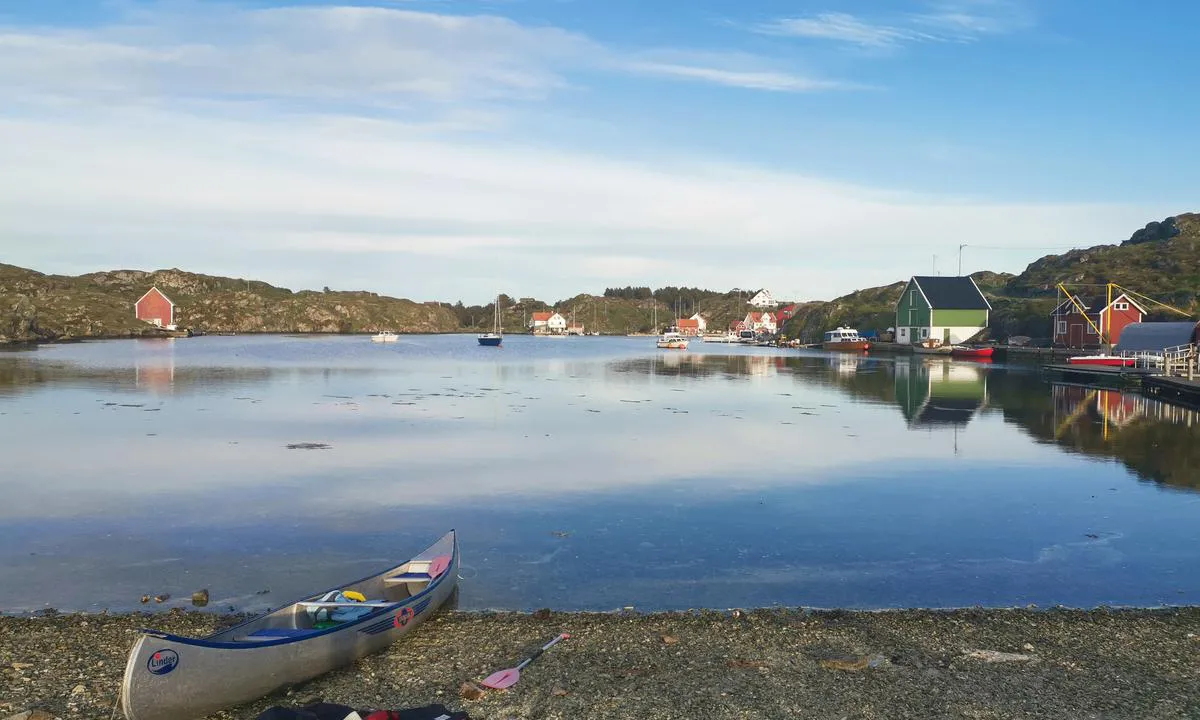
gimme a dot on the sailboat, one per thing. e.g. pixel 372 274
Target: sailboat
pixel 496 336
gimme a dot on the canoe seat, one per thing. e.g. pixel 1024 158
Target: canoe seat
pixel 281 632
pixel 315 604
pixel 408 577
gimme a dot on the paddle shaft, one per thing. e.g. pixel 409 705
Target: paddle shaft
pixel 541 650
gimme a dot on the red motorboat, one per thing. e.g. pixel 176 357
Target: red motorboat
pixel 971 353
pixel 1104 360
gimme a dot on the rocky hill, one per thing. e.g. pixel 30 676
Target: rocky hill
pixel 1161 260
pixel 35 306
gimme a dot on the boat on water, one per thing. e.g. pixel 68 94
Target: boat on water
pixel 385 336
pixel 170 677
pixel 971 353
pixel 721 338
pixel 1102 360
pixel 496 336
pixel 933 349
pixel 672 340
pixel 846 339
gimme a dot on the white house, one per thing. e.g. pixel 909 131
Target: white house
pixel 763 299
pixel 757 321
pixel 549 322
pixel 538 322
pixel 701 324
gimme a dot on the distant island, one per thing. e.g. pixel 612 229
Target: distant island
pixel 1161 259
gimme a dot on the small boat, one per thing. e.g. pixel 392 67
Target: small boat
pixel 971 353
pixel 496 336
pixel 385 336
pixel 1102 360
pixel 719 338
pixel 933 349
pixel 672 341
pixel 844 338
pixel 173 677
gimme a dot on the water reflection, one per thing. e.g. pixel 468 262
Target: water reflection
pixel 940 393
pixel 718 476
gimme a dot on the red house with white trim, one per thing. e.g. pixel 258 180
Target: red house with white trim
pixel 1072 329
pixel 156 309
pixel 688 326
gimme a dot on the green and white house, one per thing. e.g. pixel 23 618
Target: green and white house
pixel 950 309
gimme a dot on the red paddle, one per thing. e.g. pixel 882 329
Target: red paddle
pixel 502 679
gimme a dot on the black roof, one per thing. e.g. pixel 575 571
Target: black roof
pixel 951 293
pixel 1156 336
pixel 946 411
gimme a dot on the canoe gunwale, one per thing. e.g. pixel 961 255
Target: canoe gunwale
pixel 375 615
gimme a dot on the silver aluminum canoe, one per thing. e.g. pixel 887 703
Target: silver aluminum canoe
pixel 169 677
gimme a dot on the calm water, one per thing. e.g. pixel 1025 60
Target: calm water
pixel 583 473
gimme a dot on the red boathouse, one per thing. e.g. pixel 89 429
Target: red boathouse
pixel 1072 328
pixel 155 308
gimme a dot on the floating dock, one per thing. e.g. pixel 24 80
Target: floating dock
pixel 1103 373
pixel 1173 389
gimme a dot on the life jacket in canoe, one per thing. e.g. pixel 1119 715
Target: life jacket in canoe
pixel 324 615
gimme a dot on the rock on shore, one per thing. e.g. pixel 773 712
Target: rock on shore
pixel 1057 664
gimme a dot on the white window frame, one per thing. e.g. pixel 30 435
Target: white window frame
pixel 1121 306
pixel 1061 328
pixel 904 332
pixel 924 333
pixel 1091 329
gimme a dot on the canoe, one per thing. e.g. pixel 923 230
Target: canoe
pixel 168 676
pixel 971 352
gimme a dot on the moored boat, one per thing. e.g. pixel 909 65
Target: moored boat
pixel 169 676
pixel 846 339
pixel 385 336
pixel 971 353
pixel 934 350
pixel 721 338
pixel 672 341
pixel 496 336
pixel 1102 360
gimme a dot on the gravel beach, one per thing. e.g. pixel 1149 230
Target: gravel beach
pixel 1025 663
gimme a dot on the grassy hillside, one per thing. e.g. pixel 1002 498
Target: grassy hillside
pixel 1166 269
pixel 609 315
pixel 1161 260
pixel 873 308
pixel 34 306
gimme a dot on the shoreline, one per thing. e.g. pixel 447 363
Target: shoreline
pixel 973 663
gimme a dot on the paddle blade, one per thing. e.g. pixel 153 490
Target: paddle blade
pixel 502 679
pixel 439 565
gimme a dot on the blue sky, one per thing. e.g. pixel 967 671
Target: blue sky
pixel 450 149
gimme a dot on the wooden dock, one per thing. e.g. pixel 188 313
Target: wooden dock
pixel 1102 373
pixel 1173 389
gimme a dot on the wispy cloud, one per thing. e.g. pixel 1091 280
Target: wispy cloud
pixel 294 193
pixel 752 79
pixel 364 54
pixel 842 27
pixel 359 56
pixel 969 19
pixel 939 21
